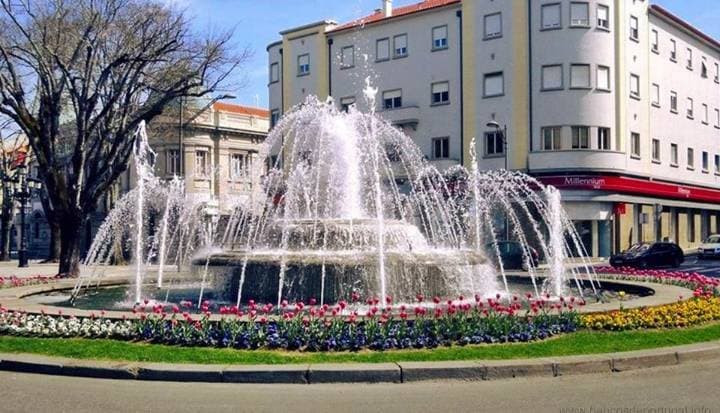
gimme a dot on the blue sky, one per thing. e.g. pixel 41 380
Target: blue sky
pixel 258 22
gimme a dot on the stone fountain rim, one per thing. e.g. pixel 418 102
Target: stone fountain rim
pixel 13 299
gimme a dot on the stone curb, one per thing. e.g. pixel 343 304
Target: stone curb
pixel 406 372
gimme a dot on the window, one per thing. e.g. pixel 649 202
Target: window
pixel 580 137
pixel 603 78
pixel 705 114
pixel 440 93
pixel 441 148
pixel 392 99
pixel 603 17
pixel 654 41
pixel 579 15
pixel 634 28
pixel 635 86
pixel 274 117
pixel 604 139
pixel 400 46
pixel 691 158
pixel 705 162
pixel 303 64
pixel 717 118
pixel 494 143
pixel 673 50
pixel 656 150
pixel 579 76
pixel 635 145
pixel 673 102
pixel 703 68
pixel 689 58
pixel 346 103
pixel 239 165
pixel 717 164
pixel 690 108
pixel 552 77
pixel 382 49
pixel 656 94
pixel 172 162
pixel 551 138
pixel 440 38
pixel 347 59
pixel 717 73
pixel 494 84
pixel 274 72
pixel 673 154
pixel 493 26
pixel 202 163
pixel 550 15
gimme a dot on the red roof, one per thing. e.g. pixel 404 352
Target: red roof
pixel 397 12
pixel 243 110
pixel 684 24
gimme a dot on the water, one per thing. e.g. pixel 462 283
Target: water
pixel 345 203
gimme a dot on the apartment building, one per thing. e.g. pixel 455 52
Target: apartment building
pixel 615 102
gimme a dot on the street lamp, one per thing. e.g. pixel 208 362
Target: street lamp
pixel 23 191
pixel 503 131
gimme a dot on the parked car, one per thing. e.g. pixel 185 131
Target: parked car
pixel 511 254
pixel 649 255
pixel 710 248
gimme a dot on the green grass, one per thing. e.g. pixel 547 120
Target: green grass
pixel 583 342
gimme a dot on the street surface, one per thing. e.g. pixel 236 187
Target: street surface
pixel 684 388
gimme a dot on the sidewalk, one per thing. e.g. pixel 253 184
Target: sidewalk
pixel 10 268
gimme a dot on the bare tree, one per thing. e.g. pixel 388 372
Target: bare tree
pixel 79 76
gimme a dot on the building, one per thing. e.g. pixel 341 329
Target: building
pixel 615 102
pixel 213 152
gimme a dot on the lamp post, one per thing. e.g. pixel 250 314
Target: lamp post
pixel 23 191
pixel 502 130
pixel 503 134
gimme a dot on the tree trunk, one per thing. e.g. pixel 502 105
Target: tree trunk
pixel 54 248
pixel 71 231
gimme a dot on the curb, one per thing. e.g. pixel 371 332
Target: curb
pixel 405 372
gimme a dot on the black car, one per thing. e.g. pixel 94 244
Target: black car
pixel 647 255
pixel 511 254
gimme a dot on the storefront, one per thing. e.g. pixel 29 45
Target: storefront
pixel 612 212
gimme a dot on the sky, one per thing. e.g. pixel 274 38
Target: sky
pixel 256 24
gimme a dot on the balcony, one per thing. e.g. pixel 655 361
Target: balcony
pixel 577 160
pixel 406 116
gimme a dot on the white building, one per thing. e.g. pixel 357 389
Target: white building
pixel 615 102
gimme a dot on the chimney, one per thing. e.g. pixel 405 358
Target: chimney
pixel 387 8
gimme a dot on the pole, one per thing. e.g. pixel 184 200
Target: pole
pixel 22 251
pixel 181 138
pixel 505 145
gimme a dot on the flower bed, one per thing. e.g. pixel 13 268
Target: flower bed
pixel 371 324
pixel 14 282
pixel 690 280
pixel 318 328
pixel 701 309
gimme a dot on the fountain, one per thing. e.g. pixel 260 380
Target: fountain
pixel 343 204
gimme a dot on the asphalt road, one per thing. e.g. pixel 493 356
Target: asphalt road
pixel 686 388
pixel 709 267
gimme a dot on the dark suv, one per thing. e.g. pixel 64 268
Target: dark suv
pixel 646 255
